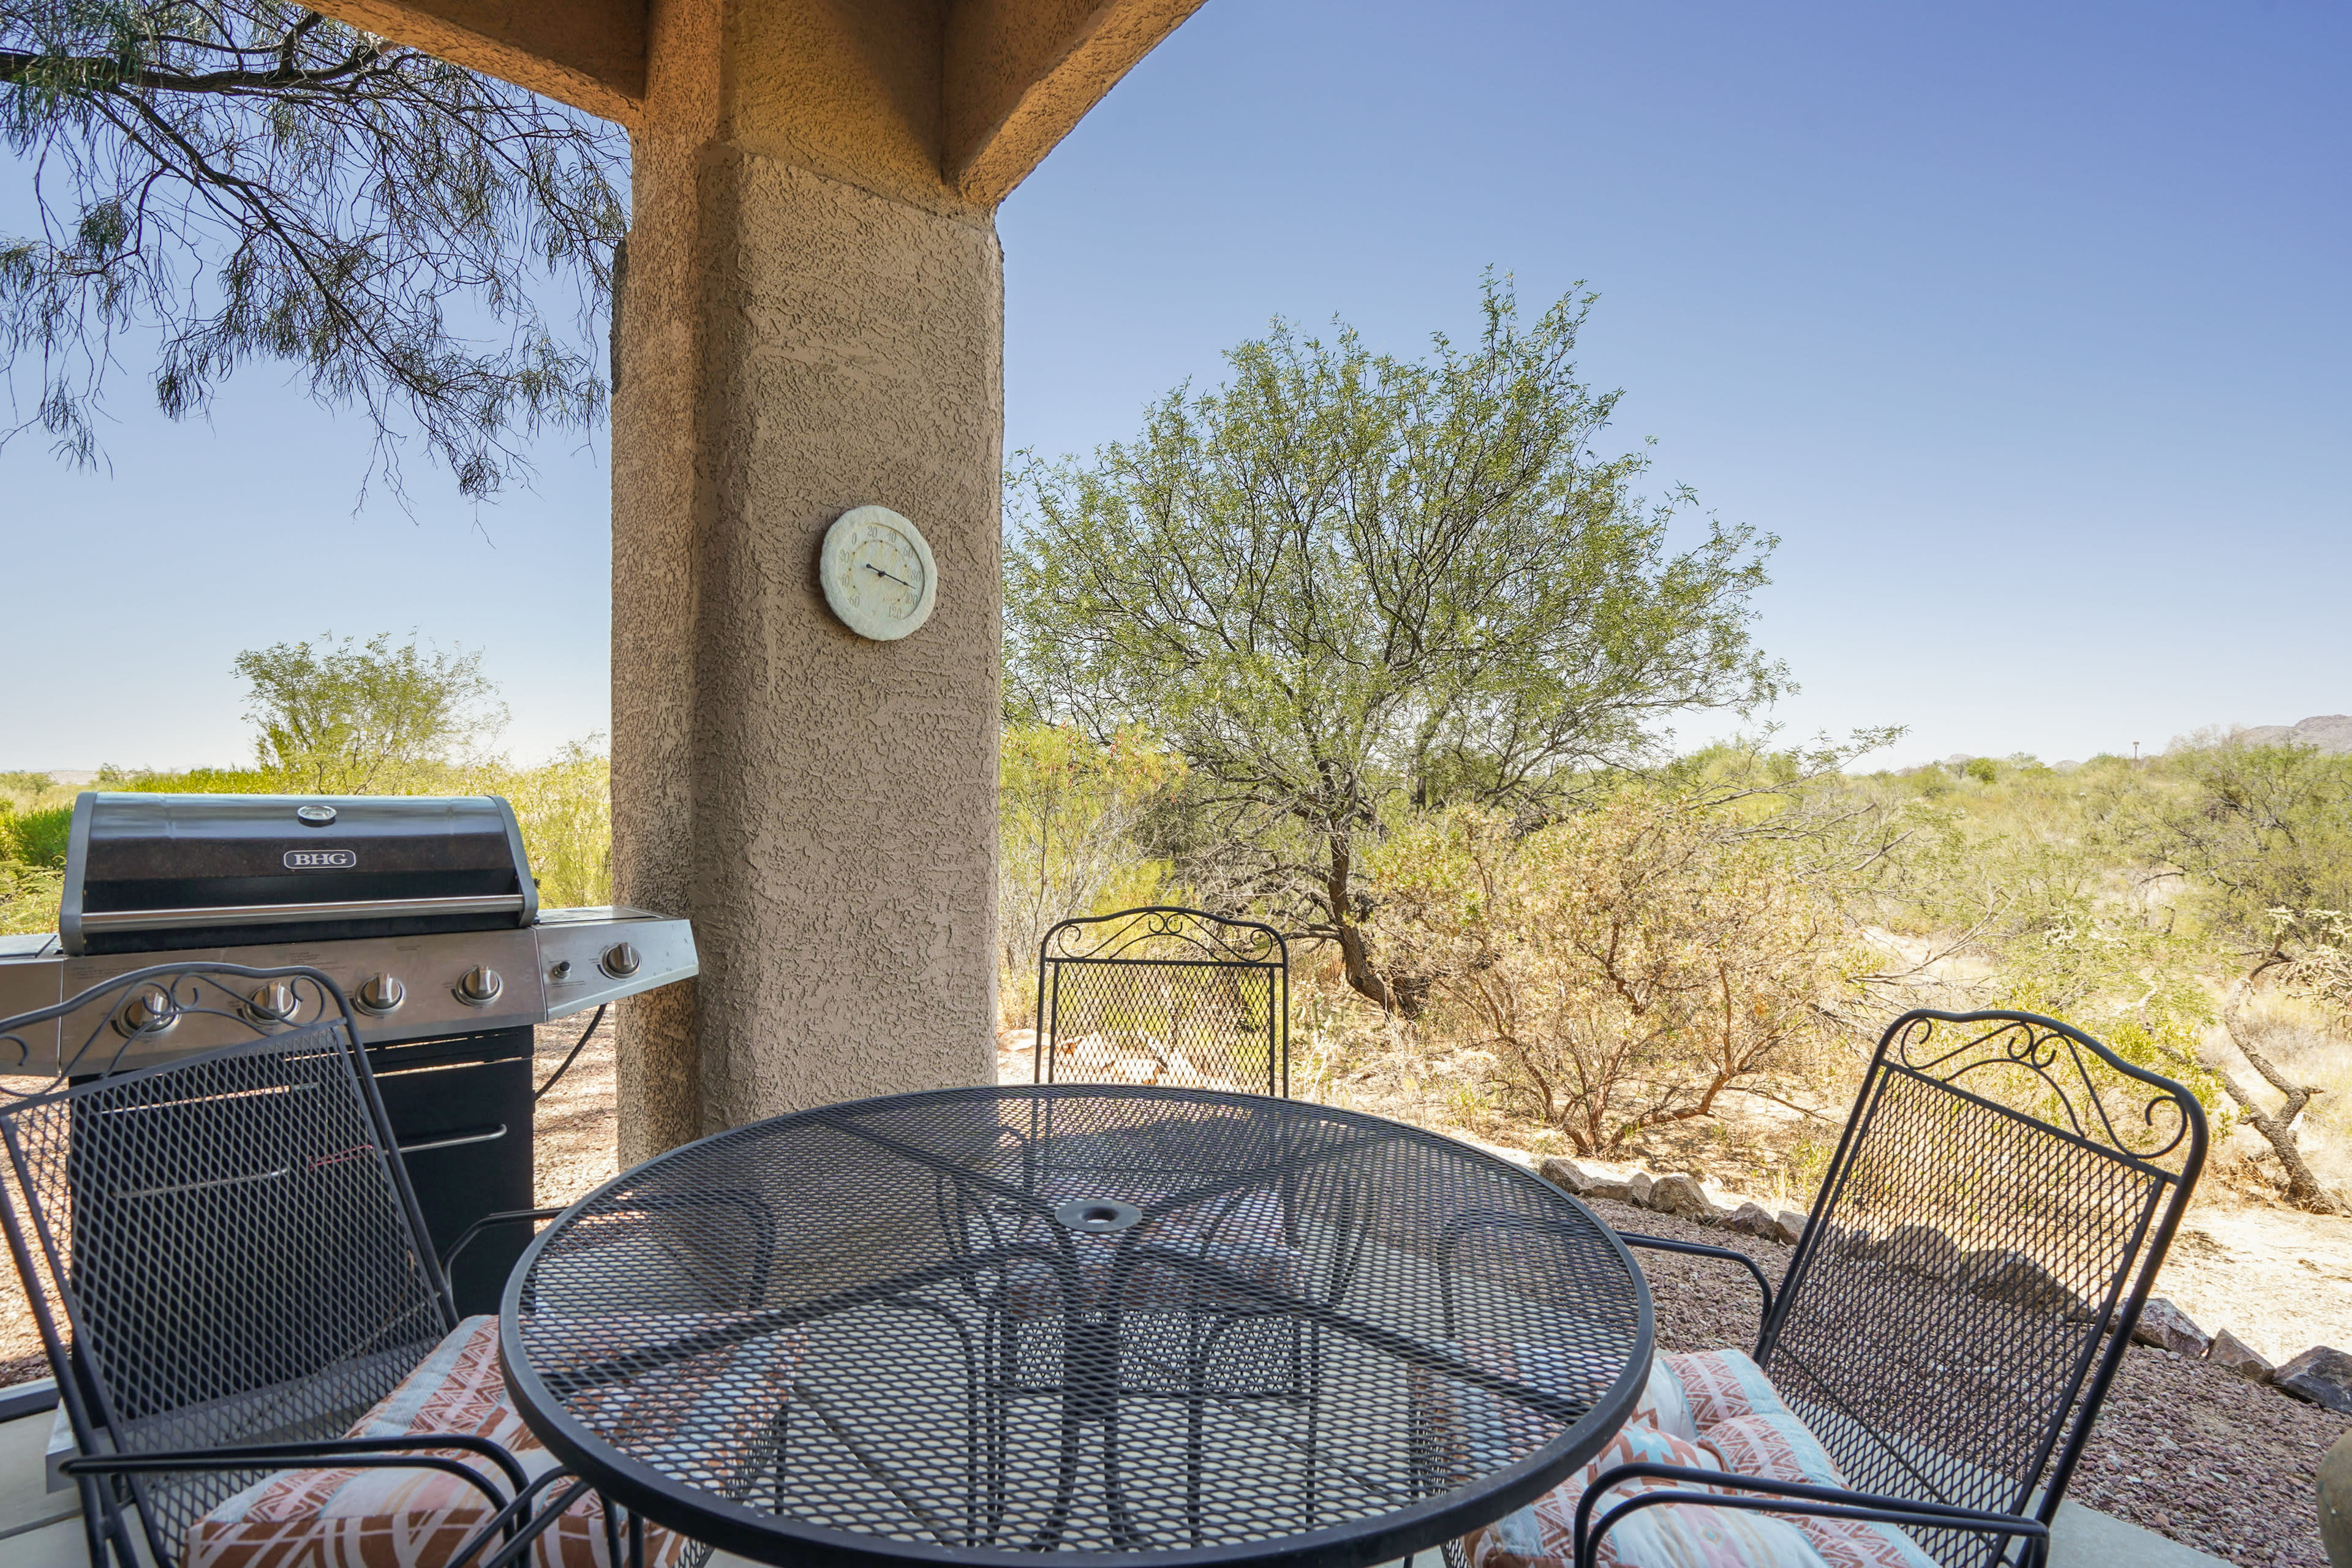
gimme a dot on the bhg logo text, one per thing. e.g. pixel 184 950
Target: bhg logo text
pixel 322 860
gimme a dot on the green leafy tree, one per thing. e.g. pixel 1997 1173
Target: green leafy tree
pixel 1346 584
pixel 344 718
pixel 247 180
pixel 2253 829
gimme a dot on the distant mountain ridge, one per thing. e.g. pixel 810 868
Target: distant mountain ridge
pixel 2328 731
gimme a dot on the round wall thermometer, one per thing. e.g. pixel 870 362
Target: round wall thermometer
pixel 878 572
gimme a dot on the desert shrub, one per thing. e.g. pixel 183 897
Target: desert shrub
pixel 2134 986
pixel 2253 829
pixel 1067 814
pixel 29 898
pixel 564 809
pixel 1626 967
pixel 195 781
pixel 36 838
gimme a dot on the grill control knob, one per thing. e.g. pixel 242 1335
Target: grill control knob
pixel 620 961
pixel 271 1004
pixel 381 993
pixel 151 1012
pixel 479 986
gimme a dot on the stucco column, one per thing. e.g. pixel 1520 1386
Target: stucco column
pixel 812 320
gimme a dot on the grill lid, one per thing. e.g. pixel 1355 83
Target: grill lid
pixel 148 873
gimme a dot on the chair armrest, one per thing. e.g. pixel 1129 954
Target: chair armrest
pixel 504 1216
pixel 1779 1496
pixel 1701 1250
pixel 520 1536
pixel 351 1453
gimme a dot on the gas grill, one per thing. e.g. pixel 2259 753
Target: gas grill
pixel 423 909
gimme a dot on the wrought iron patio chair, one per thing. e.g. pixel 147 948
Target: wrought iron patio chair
pixel 1164 996
pixel 1982 1244
pixel 227 1266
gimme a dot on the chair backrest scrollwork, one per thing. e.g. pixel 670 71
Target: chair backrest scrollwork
pixel 1164 996
pixel 1986 1235
pixel 220 1249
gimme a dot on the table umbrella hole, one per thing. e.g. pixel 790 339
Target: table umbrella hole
pixel 1097 1216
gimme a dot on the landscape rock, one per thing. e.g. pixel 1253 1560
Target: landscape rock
pixel 2010 1275
pixel 2232 1352
pixel 1566 1174
pixel 1680 1195
pixel 1790 1226
pixel 2166 1326
pixel 1753 1219
pixel 1637 1188
pixel 1922 1249
pixel 2322 1374
pixel 1569 1176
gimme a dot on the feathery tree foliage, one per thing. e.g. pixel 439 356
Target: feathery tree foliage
pixel 244 180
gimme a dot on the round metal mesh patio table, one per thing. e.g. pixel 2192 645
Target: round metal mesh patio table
pixel 1077 1326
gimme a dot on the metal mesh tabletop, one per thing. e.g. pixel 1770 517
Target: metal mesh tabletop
pixel 1076 1325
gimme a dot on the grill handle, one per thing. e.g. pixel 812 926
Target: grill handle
pixel 490 1134
pixel 290 914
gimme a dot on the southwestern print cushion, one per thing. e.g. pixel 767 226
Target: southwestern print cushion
pixel 404 1518
pixel 1672 1535
pixel 1710 1410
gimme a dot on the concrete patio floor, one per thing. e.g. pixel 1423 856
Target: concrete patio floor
pixel 42 1529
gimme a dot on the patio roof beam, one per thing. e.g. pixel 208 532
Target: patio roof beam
pixel 1022 73
pixel 590 54
pixel 1014 76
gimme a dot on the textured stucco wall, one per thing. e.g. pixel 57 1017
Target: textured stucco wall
pixel 822 806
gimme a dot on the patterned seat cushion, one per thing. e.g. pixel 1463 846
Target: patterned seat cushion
pixel 1678 1535
pixel 1723 1385
pixel 1711 1410
pixel 1241 1232
pixel 400 1518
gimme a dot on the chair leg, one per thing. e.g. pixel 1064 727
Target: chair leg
pixel 97 1524
pixel 106 1524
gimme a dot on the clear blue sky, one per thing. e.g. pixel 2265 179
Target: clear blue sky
pixel 2025 327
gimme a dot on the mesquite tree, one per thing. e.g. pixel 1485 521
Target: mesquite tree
pixel 344 717
pixel 1346 584
pixel 243 180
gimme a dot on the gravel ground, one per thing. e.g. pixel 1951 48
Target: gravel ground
pixel 2181 1446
